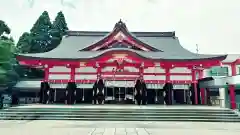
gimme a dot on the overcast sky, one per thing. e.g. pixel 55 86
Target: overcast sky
pixel 212 24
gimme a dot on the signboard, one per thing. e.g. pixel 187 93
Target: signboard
pixel 6 100
pixel 119 83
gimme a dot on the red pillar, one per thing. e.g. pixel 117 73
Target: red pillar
pixel 99 73
pixel 46 74
pixel 202 90
pixel 195 86
pixel 72 75
pixel 232 88
pixel 232 96
pixel 141 70
pixel 167 70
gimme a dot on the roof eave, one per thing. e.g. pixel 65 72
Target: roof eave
pixel 219 58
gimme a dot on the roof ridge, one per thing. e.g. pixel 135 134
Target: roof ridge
pixel 104 33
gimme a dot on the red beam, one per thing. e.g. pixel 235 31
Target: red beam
pixel 119 73
pixel 181 81
pixel 120 78
pixel 147 81
pixel 108 55
pixel 113 64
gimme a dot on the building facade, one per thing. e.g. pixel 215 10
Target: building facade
pixel 126 67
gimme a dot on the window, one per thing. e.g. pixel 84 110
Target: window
pixel 219 71
pixel 238 68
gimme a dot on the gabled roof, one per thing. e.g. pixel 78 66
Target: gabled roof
pixel 166 45
pixel 120 34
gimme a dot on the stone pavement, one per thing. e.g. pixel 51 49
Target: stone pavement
pixel 50 127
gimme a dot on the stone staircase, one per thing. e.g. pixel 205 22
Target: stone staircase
pixel 124 113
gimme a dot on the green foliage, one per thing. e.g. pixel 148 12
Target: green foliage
pixel 26 72
pixel 8 76
pixel 4 28
pixel 60 23
pixel 40 34
pixel 24 43
pixel 59 29
pixel 43 36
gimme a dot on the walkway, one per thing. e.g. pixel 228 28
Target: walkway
pixel 116 128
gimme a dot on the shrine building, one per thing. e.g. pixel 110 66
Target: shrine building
pixel 125 67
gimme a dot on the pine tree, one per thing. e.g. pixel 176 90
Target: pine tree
pixel 60 23
pixel 59 29
pixel 24 43
pixel 40 33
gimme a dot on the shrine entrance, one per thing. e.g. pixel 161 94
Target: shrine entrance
pixel 119 92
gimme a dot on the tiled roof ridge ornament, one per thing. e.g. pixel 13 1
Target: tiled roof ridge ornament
pixel 120 24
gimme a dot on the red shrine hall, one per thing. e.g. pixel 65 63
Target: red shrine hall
pixel 121 67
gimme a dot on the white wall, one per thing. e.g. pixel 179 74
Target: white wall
pixel 59 76
pixel 181 77
pixel 154 70
pixel 237 69
pixel 154 77
pixel 82 77
pixel 85 69
pixel 59 69
pixel 180 70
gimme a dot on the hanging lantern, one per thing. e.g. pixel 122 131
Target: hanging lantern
pixel 45 66
pixel 97 65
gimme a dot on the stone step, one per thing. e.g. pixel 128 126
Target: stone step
pixel 131 113
pixel 119 113
pixel 116 114
pixel 123 116
pixel 112 110
pixel 121 119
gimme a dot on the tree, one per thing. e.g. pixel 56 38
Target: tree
pixel 8 76
pixel 60 23
pixel 59 29
pixel 4 28
pixel 40 33
pixel 24 43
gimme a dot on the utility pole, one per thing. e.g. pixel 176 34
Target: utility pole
pixel 197 49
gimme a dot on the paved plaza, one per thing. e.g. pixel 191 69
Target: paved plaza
pixel 41 127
